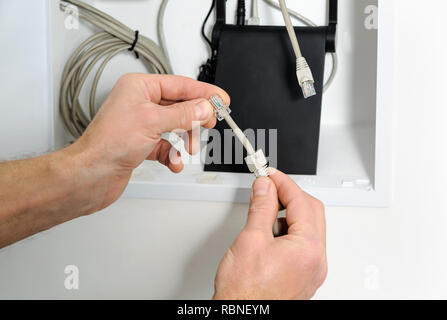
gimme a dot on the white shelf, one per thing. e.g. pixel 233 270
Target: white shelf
pixel 341 168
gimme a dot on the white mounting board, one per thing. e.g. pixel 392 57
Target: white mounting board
pixel 354 166
pixel 26 118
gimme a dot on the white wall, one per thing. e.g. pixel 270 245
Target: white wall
pixel 26 117
pixel 159 249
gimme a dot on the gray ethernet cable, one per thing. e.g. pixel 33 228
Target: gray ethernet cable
pixel 256 161
pixel 310 23
pixel 254 19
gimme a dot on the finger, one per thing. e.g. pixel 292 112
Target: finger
pixel 319 210
pixel 167 103
pixel 263 206
pixel 186 115
pixel 299 212
pixel 208 125
pixel 176 88
pixel 167 155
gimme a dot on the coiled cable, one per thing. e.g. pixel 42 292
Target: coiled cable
pixel 114 38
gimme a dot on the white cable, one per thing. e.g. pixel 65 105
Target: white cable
pixel 254 20
pixel 114 38
pixel 310 23
pixel 293 13
pixel 161 29
pixel 239 134
pixel 290 29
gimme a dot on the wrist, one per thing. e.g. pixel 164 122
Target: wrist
pixel 85 175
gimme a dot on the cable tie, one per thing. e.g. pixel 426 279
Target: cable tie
pixel 135 41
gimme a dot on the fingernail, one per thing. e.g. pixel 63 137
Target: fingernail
pixel 203 110
pixel 261 187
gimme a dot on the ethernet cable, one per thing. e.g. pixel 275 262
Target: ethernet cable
pixel 303 72
pixel 255 160
pixel 161 29
pixel 310 23
pixel 114 38
pixel 254 20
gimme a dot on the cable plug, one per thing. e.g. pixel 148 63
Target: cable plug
pixel 257 164
pixel 220 108
pixel 305 77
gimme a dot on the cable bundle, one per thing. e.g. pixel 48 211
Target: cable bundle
pixel 114 38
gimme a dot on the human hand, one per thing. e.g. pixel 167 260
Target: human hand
pixel 128 130
pixel 260 267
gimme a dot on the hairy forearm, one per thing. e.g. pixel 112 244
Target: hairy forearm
pixel 91 174
pixel 37 194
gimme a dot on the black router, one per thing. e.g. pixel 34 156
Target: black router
pixel 256 66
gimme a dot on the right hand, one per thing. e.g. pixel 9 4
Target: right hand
pixel 261 267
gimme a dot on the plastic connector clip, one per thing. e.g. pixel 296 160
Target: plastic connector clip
pixel 220 108
pixel 305 78
pixel 257 164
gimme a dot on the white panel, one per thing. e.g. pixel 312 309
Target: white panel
pixel 25 109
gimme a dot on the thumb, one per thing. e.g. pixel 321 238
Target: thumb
pixel 263 206
pixel 182 115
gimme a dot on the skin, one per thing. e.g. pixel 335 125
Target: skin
pixel 88 176
pixel 260 267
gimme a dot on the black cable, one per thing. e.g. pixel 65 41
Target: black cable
pixel 241 12
pixel 207 70
pixel 204 24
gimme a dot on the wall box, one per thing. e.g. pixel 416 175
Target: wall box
pixel 354 166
